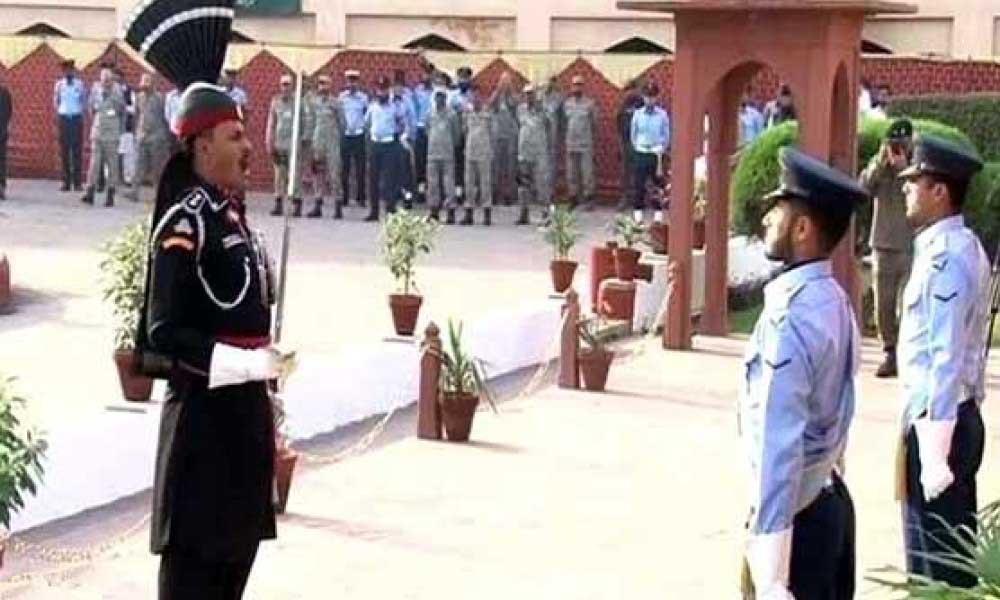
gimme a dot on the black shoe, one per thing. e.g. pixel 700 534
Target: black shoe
pixel 888 366
pixel 317 210
pixel 296 207
pixel 64 187
pixel 450 220
pixel 435 215
pixel 88 197
pixel 110 199
pixel 468 219
pixel 372 217
pixel 338 213
pixel 523 219
pixel 487 217
pixel 279 208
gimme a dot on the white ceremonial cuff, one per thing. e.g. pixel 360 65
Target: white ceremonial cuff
pixel 934 444
pixel 769 556
pixel 232 366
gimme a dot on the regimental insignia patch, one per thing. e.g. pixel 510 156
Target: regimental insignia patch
pixel 184 227
pixel 176 241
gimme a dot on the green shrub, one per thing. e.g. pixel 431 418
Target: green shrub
pixel 976 114
pixel 757 174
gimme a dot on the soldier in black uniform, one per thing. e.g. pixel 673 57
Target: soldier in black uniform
pixel 208 316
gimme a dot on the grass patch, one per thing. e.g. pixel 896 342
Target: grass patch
pixel 742 321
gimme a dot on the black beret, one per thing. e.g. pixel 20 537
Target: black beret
pixel 202 107
pixel 937 156
pixel 817 185
pixel 900 130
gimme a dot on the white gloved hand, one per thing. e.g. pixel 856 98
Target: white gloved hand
pixel 233 366
pixel 769 556
pixel 934 443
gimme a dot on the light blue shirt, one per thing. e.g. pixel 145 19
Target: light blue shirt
pixel 942 333
pixel 751 124
pixel 69 98
pixel 423 101
pixel 355 106
pixel 651 130
pixel 407 113
pixel 798 398
pixel 384 121
pixel 460 101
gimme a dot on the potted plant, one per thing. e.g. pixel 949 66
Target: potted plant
pixel 630 232
pixel 124 271
pixel 404 237
pixel 461 385
pixel 595 359
pixel 23 449
pixel 562 233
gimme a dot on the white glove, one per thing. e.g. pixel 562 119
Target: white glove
pixel 233 366
pixel 934 443
pixel 769 556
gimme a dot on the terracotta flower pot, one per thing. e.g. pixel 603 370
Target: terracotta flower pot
pixel 405 310
pixel 135 387
pixel 284 467
pixel 659 235
pixel 594 366
pixel 4 281
pixel 457 412
pixel 562 274
pixel 698 235
pixel 602 266
pixel 626 263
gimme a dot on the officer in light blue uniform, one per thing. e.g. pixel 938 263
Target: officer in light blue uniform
pixel 650 135
pixel 352 145
pixel 422 104
pixel 941 352
pixel 798 399
pixel 385 122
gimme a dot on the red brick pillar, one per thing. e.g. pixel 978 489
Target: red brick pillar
pixel 428 409
pixel 569 369
pixel 4 281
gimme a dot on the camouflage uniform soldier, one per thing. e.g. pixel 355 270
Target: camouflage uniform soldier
pixel 581 123
pixel 444 131
pixel 152 137
pixel 280 120
pixel 108 110
pixel 532 154
pixel 328 114
pixel 504 108
pixel 478 160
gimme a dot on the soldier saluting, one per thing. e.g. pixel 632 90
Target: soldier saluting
pixel 208 315
pixel 798 399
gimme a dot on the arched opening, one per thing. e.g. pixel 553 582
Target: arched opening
pixel 42 29
pixel 236 37
pixel 870 47
pixel 433 41
pixel 637 45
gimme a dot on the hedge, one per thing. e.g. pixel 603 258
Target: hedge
pixel 757 173
pixel 976 114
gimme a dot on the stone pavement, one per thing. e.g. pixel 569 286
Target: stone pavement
pixel 634 493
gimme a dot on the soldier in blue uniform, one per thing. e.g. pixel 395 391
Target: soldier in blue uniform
pixel 798 399
pixel 941 354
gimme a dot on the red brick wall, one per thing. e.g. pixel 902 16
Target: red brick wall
pixel 34 149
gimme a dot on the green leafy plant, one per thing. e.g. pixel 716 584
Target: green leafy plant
pixel 462 373
pixel 21 452
pixel 629 231
pixel 124 277
pixel 404 237
pixel 593 333
pixel 977 114
pixel 561 231
pixel 975 553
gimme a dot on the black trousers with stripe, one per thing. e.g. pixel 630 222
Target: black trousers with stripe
pixel 186 576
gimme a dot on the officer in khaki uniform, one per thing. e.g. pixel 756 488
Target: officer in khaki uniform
pixel 534 166
pixel 444 133
pixel 891 235
pixel 328 115
pixel 479 125
pixel 108 113
pixel 581 124
pixel 280 120
pixel 152 136
pixel 504 107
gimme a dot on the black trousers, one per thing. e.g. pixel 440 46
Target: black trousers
pixel 823 560
pixel 384 173
pixel 460 170
pixel 71 149
pixel 352 151
pixel 420 156
pixel 3 160
pixel 628 169
pixel 956 505
pixel 644 165
pixel 189 577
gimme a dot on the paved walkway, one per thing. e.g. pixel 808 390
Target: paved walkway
pixel 635 493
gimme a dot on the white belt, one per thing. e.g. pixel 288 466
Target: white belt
pixel 384 140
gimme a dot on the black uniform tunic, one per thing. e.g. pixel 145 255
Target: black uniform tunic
pixel 215 459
